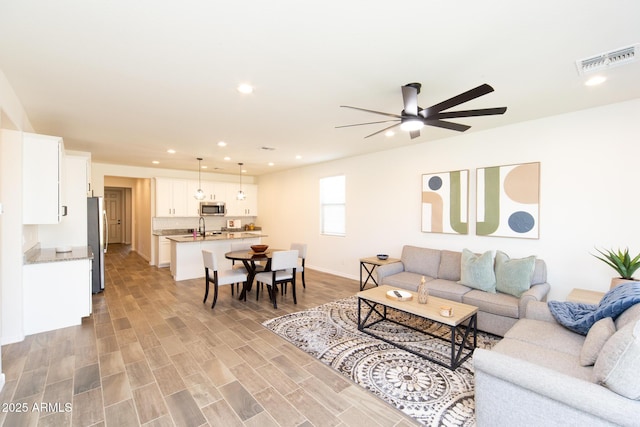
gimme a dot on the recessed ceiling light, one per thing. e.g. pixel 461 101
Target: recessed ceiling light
pixel 203 166
pixel 298 157
pixel 243 171
pixel 155 162
pixel 271 163
pixel 389 133
pixel 227 158
pixel 171 151
pixel 222 144
pixel 245 88
pixel 595 80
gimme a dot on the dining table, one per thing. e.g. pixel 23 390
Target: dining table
pixel 249 259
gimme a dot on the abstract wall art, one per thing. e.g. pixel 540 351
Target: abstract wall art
pixel 445 202
pixel 508 201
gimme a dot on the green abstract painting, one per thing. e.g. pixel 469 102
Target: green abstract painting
pixel 445 202
pixel 508 201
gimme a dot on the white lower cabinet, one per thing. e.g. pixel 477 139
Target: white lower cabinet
pixel 164 251
pixel 56 294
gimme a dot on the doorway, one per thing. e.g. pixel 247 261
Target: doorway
pixel 117 204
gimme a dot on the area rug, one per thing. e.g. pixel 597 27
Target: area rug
pixel 431 394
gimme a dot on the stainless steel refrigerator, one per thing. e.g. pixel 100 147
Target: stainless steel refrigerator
pixel 97 239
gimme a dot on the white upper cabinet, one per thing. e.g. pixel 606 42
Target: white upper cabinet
pixel 246 207
pixel 175 197
pixel 42 178
pixel 171 197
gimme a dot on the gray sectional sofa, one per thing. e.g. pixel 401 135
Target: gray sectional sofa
pixel 543 374
pixel 442 269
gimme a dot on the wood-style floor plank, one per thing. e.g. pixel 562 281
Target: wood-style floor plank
pixel 152 354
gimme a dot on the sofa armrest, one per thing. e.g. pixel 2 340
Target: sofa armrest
pixel 546 397
pixel 534 293
pixel 539 310
pixel 388 269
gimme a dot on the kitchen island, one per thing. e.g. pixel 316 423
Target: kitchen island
pixel 186 251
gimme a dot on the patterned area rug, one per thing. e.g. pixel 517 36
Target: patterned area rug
pixel 431 394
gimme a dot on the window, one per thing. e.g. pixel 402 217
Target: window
pixel 332 205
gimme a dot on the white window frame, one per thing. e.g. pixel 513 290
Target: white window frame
pixel 333 210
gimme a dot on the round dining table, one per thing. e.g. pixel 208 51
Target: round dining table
pixel 249 259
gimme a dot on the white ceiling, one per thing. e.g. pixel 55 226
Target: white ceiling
pixel 127 80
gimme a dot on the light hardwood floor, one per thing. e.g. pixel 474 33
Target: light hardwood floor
pixel 153 354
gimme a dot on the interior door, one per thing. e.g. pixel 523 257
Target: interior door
pixel 113 206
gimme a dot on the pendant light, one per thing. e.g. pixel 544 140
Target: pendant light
pixel 240 195
pixel 199 194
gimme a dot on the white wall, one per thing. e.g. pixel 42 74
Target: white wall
pixel 589 162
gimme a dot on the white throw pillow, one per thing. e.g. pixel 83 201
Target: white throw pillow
pixel 618 364
pixel 596 338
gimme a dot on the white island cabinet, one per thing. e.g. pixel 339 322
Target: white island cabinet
pixel 186 252
pixel 56 289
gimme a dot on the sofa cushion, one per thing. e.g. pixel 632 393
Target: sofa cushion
pixel 597 336
pixel 618 363
pixel 539 273
pixel 450 265
pixel 405 280
pixel 513 276
pixel 447 289
pixel 477 271
pixel 498 303
pixel 549 358
pixel 630 315
pixel 422 261
pixel 548 335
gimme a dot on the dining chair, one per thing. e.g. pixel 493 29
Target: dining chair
pixel 283 270
pixel 302 255
pixel 220 277
pixel 240 246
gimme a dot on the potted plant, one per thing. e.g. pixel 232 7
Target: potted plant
pixel 622 263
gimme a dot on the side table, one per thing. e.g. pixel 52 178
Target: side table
pixel 585 296
pixel 369 264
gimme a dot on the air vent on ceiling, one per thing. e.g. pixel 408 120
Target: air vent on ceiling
pixel 610 59
pixel 267 148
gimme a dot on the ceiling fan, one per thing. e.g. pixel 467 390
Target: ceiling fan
pixel 413 118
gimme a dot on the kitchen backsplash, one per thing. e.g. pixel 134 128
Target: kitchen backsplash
pixel 211 222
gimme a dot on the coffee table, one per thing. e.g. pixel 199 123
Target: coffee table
pixel 373 305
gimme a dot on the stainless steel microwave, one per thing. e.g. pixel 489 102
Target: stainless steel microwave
pixel 212 208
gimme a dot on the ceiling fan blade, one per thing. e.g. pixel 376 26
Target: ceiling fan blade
pixel 470 113
pixel 457 100
pixel 414 134
pixel 410 99
pixel 383 130
pixel 447 125
pixel 372 111
pixel 368 123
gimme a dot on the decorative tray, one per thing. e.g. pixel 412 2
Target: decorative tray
pixel 399 295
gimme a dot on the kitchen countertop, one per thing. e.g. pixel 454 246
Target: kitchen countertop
pixel 185 231
pixel 215 237
pixel 37 255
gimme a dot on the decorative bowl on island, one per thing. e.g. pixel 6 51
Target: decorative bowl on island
pixel 259 248
pixel 382 257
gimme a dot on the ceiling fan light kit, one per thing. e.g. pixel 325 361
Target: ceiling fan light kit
pixel 413 117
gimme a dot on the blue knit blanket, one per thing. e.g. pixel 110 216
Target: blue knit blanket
pixel 580 317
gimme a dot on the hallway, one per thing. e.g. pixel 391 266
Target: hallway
pixel 153 354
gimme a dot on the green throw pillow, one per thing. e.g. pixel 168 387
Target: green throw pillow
pixel 477 271
pixel 513 276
